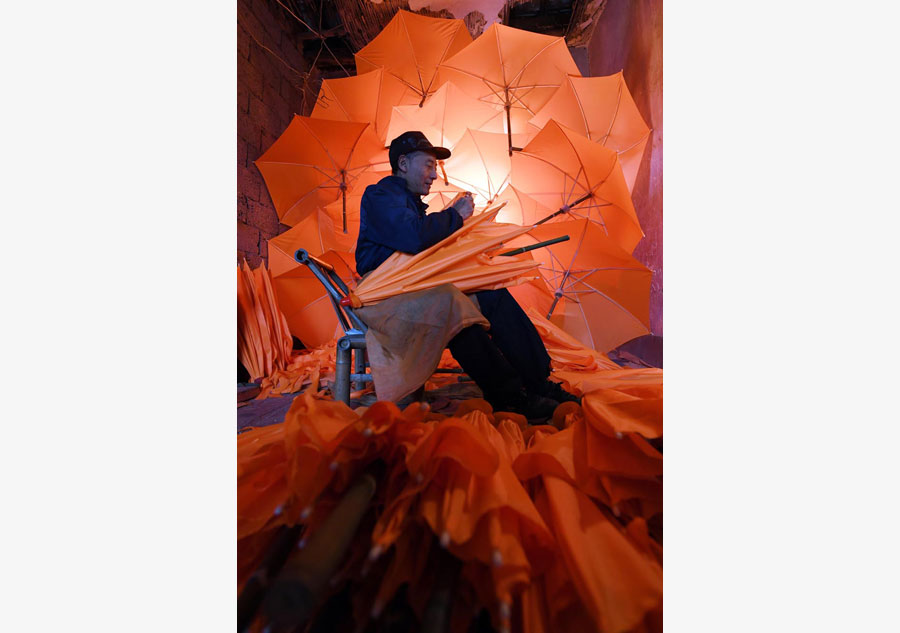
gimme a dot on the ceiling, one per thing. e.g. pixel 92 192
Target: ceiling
pixel 335 29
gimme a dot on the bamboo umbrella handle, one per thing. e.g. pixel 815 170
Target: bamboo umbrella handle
pixel 296 591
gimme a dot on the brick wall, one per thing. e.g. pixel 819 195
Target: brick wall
pixel 269 93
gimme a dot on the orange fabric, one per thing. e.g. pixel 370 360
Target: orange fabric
pixel 306 167
pixel 567 352
pixel 559 166
pixel 306 305
pixel 480 164
pixel 555 524
pixel 511 67
pixel 410 47
pixel 604 292
pixel 459 259
pixel 603 110
pixel 264 340
pixel 445 117
pixel 367 97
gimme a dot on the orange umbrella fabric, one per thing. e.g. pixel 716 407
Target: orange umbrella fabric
pixel 410 47
pixel 306 305
pixel 601 293
pixel 480 164
pixel 554 517
pixel 602 109
pixel 459 259
pixel 264 340
pixel 445 117
pixel 314 162
pixel 516 71
pixel 366 98
pixel 561 169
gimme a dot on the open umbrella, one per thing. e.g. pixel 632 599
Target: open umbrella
pixel 563 170
pixel 347 208
pixel 314 162
pixel 445 117
pixel 304 301
pixel 602 109
pixel 366 98
pixel 516 71
pixel 411 46
pixel 459 259
pixel 480 164
pixel 601 293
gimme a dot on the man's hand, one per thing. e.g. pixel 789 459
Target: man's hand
pixel 464 204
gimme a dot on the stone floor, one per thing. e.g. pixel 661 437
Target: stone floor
pixel 254 413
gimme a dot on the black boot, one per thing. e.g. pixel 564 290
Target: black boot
pixel 553 390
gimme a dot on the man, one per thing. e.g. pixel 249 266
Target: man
pixel 511 364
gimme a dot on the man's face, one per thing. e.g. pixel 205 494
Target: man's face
pixel 418 170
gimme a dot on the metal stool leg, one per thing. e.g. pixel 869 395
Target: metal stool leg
pixel 342 371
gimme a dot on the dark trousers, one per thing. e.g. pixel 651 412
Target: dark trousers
pixel 508 357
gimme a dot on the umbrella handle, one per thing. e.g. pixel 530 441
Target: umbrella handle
pixel 525 249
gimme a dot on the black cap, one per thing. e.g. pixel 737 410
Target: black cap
pixel 414 141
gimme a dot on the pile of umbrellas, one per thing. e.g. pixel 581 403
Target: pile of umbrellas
pixel 559 151
pixel 542 528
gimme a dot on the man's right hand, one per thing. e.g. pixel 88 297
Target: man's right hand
pixel 464 205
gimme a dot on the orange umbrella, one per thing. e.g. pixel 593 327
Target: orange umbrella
pixel 264 342
pixel 602 109
pixel 480 164
pixel 316 234
pixel 314 162
pixel 515 71
pixel 446 115
pixel 563 170
pixel 459 259
pixel 411 46
pixel 601 293
pixel 306 305
pixel 521 208
pixel 348 208
pixel 366 98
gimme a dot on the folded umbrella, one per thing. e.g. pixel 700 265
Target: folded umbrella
pixel 459 259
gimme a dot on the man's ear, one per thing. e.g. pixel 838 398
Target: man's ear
pixel 402 163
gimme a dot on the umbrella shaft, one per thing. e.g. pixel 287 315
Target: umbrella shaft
pixel 525 249
pixel 564 209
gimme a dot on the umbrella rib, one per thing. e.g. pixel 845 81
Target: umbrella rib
pixel 635 144
pixel 615 113
pixel 319 141
pixel 441 58
pixel 587 126
pixel 586 322
pixel 533 57
pixel 412 48
pixel 616 303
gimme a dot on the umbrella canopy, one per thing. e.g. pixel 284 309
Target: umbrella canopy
pixel 480 164
pixel 367 98
pixel 459 259
pixel 601 293
pixel 445 117
pixel 521 208
pixel 411 46
pixel 602 109
pixel 563 170
pixel 306 306
pixel 314 162
pixel 515 71
pixel 348 208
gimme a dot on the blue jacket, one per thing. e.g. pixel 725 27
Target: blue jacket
pixel 392 218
